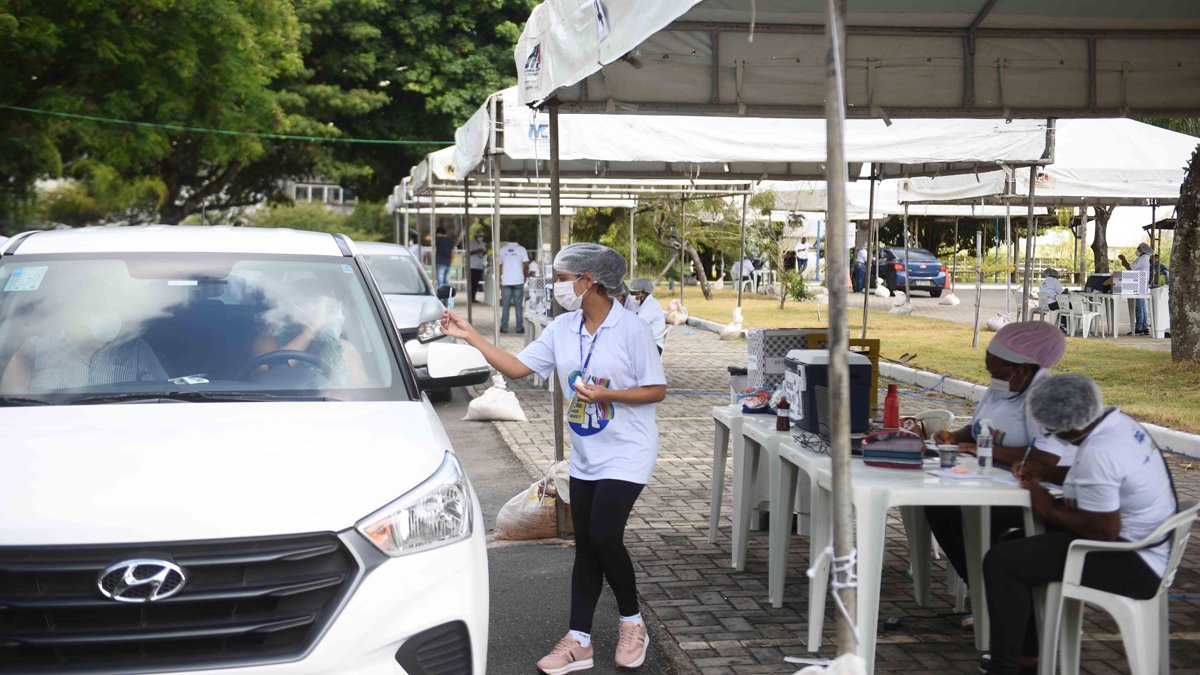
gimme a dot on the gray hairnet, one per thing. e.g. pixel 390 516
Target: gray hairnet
pixel 1064 402
pixel 1050 272
pixel 606 265
pixel 641 286
pixel 621 289
pixel 1144 248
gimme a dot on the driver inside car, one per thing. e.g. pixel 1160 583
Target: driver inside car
pixel 307 318
pixel 92 349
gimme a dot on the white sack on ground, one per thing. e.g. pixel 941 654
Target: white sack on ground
pixel 497 404
pixel 997 322
pixel 733 330
pixel 949 299
pixel 881 291
pixel 676 314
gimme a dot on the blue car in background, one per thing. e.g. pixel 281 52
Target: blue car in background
pixel 925 272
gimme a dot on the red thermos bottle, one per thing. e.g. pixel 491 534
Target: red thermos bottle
pixel 891 408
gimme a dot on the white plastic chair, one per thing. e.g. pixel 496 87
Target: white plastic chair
pixel 1080 313
pixel 1143 623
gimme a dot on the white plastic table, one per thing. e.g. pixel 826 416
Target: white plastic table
pixel 760 442
pixel 875 490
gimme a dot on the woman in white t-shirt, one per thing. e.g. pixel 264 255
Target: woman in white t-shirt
pixel 1118 488
pixel 608 364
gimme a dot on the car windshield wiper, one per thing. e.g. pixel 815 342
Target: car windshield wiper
pixel 190 396
pixel 22 400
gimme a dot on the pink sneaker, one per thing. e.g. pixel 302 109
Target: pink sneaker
pixel 567 656
pixel 632 643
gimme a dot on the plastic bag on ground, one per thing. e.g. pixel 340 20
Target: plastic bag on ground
pixel 846 664
pixel 997 322
pixel 497 404
pixel 949 299
pixel 733 330
pixel 530 514
pixel 676 314
pixel 881 291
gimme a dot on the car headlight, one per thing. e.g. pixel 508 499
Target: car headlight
pixel 435 513
pixel 430 331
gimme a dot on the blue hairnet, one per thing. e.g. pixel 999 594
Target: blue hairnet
pixel 1065 402
pixel 641 286
pixel 606 265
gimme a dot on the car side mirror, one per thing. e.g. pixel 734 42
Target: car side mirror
pixel 451 365
pixel 445 292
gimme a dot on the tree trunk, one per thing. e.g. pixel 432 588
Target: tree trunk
pixel 1100 239
pixel 1185 269
pixel 699 265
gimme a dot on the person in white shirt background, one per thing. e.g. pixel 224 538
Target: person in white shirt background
pixel 478 261
pixel 741 270
pixel 802 249
pixel 1049 289
pixel 642 302
pixel 514 267
pixel 1140 264
pixel 858 279
pixel 415 248
pixel 1118 488
pixel 607 364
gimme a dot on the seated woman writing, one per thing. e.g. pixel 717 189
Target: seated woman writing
pixel 1119 488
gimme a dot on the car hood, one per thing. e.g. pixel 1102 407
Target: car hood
pixel 186 471
pixel 410 311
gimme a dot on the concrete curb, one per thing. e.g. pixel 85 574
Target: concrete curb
pixel 1171 440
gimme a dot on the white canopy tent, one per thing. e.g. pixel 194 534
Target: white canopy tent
pixel 998 58
pixel 923 58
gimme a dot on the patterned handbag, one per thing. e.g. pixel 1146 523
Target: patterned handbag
pixel 893 449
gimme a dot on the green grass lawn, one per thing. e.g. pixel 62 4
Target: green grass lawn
pixel 1144 383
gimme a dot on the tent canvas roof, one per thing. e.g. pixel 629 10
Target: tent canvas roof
pixel 919 58
pixel 1097 161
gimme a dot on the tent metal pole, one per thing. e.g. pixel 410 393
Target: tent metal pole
pixel 404 241
pixel 396 224
pixel 836 173
pixel 870 253
pixel 1007 255
pixel 432 226
pixel 1153 281
pixel 494 169
pixel 954 260
pixel 1030 233
pixel 682 243
pixel 560 508
pixel 741 251
pixel 978 284
pixel 632 244
pixel 465 237
pixel 907 292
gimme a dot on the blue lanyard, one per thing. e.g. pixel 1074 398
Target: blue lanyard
pixel 583 368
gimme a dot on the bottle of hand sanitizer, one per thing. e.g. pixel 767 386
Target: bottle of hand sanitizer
pixel 983 446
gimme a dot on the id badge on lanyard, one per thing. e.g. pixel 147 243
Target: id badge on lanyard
pixel 576 409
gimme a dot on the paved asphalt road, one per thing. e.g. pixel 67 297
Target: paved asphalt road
pixel 530 581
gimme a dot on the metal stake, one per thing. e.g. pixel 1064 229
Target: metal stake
pixel 741 252
pixel 1030 232
pixel 560 509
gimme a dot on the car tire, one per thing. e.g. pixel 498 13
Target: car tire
pixel 440 395
pixel 935 293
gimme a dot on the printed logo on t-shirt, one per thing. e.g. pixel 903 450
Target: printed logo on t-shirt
pixel 596 416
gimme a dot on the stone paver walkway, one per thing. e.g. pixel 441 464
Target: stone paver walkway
pixel 719 618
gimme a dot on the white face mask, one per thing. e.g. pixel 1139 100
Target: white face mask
pixel 104 326
pixel 1001 387
pixel 632 304
pixel 564 293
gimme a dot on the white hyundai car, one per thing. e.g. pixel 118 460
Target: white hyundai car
pixel 215 456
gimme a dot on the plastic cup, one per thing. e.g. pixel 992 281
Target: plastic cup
pixel 948 454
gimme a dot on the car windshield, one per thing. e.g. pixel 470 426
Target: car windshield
pixel 914 254
pixel 89 328
pixel 398 275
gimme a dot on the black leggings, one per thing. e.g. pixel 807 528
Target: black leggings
pixel 1012 569
pixel 599 510
pixel 946 523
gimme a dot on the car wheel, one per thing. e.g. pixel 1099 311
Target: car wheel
pixel 935 293
pixel 440 395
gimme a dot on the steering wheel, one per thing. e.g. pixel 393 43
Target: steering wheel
pixel 281 357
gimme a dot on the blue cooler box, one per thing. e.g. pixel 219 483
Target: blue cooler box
pixel 807 369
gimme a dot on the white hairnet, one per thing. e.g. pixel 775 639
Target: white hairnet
pixel 1064 402
pixel 606 265
pixel 641 286
pixel 1143 248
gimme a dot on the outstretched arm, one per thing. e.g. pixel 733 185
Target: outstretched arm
pixel 508 365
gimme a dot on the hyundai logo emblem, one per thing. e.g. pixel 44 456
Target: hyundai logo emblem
pixel 142 580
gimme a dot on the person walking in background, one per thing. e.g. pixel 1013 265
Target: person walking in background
pixel 1140 264
pixel 414 248
pixel 443 256
pixel 802 249
pixel 478 262
pixel 642 302
pixel 607 365
pixel 514 267
pixel 858 278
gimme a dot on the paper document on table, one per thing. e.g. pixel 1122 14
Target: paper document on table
pixel 1009 479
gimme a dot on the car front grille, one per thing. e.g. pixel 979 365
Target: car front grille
pixel 263 599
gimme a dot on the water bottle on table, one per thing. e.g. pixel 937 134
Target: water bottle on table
pixel 983 446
